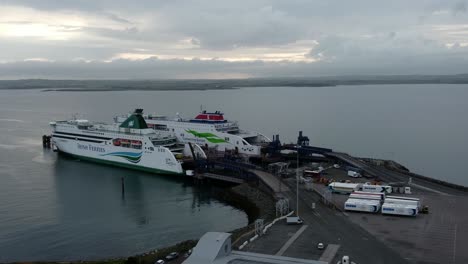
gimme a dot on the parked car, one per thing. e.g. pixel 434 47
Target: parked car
pixel 159 261
pixel 320 246
pixel 172 256
pixel 294 220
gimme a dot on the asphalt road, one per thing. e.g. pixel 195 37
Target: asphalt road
pixel 328 226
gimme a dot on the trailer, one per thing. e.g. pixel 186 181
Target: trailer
pixel 361 205
pixel 403 198
pixel 402 201
pixel 377 188
pixel 346 188
pixel 365 197
pixel 399 209
pixel 378 194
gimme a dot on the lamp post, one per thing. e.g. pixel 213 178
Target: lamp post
pixel 297 183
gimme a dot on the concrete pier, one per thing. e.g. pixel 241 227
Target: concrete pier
pixel 271 181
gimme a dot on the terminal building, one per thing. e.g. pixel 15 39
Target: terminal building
pixel 215 248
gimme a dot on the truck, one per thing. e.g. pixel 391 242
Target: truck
pixel 377 188
pixel 361 205
pixel 346 188
pixel 400 209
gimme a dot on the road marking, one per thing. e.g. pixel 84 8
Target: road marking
pixel 329 253
pixel 291 240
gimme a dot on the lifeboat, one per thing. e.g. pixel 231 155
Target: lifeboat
pixel 125 142
pixel 136 144
pixel 116 142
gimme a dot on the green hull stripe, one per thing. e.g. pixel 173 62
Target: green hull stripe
pixel 212 138
pixel 124 165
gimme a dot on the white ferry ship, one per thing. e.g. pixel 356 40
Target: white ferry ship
pixel 209 129
pixel 131 144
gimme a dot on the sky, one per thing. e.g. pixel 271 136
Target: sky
pixel 156 39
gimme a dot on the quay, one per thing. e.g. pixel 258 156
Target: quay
pixel 427 238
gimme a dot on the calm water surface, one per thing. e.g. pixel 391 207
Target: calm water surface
pixel 55 208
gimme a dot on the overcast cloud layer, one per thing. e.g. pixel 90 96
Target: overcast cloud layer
pixel 64 39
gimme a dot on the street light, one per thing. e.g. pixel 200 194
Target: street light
pixel 297 183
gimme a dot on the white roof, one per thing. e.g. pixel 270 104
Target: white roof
pixel 363 201
pixel 208 247
pixel 392 205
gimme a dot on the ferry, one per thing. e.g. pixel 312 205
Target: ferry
pixel 209 129
pixel 132 144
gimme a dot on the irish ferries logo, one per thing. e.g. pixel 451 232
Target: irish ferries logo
pixel 129 156
pixel 208 136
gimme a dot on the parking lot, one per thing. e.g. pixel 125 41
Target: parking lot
pixel 437 237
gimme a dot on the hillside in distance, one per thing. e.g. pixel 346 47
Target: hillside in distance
pixel 212 84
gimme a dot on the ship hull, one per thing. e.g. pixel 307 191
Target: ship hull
pixel 160 161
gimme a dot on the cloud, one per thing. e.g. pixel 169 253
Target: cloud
pixel 459 8
pixel 119 19
pixel 156 68
pixel 267 37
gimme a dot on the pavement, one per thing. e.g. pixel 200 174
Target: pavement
pixel 291 240
pixel 439 237
pixel 327 226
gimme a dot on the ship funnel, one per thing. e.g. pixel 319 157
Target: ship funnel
pixel 135 120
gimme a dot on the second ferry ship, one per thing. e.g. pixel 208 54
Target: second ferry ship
pixel 209 129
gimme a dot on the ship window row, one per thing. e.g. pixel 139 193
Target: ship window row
pixel 164 142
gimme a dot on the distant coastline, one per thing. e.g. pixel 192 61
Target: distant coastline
pixel 221 84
